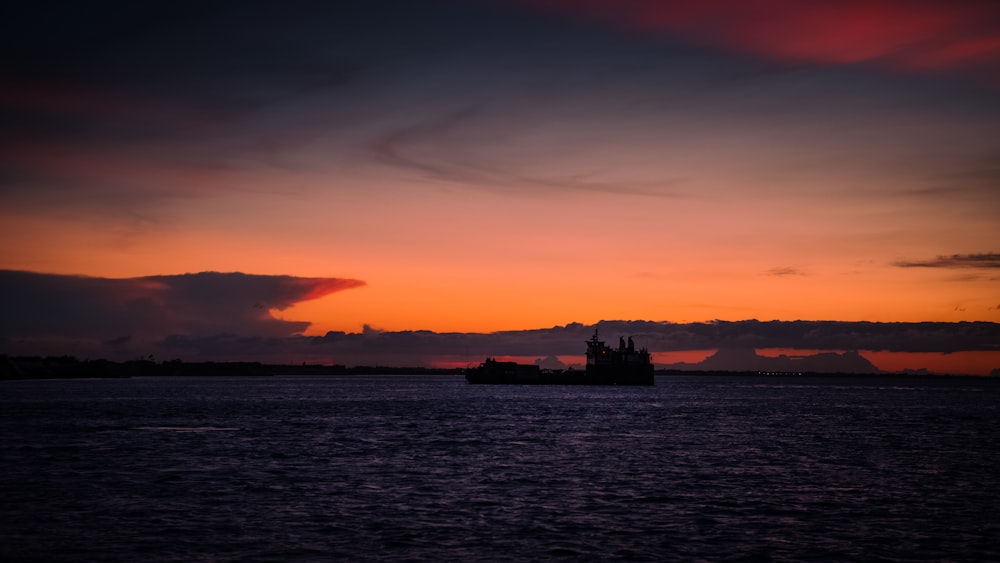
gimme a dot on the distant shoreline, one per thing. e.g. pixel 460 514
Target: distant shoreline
pixel 68 367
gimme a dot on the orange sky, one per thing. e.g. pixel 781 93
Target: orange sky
pixel 488 262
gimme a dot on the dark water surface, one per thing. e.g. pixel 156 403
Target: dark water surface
pixel 431 468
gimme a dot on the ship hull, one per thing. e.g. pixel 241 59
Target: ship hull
pixel 595 375
pixel 637 374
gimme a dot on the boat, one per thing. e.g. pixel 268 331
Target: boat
pixel 624 365
pixel 492 371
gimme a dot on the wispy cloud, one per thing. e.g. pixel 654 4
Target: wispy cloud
pixel 454 146
pixel 785 271
pixel 985 261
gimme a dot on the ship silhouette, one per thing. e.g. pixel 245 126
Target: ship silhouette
pixel 624 365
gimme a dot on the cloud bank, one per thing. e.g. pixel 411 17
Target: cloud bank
pixel 427 348
pixel 44 311
pixel 227 316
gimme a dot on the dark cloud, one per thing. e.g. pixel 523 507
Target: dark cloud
pixel 137 311
pixel 414 348
pixel 987 261
pixel 832 335
pixel 785 271
pixel 817 335
pixel 225 317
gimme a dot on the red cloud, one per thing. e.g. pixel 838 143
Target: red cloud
pixel 906 34
pixel 314 288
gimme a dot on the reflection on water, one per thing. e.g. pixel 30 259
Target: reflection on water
pixel 430 468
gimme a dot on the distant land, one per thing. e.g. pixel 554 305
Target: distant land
pixel 68 367
pixel 747 359
pixel 738 362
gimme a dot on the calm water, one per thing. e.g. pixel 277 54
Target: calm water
pixel 430 468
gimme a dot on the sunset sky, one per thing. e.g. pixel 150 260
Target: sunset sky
pixel 474 166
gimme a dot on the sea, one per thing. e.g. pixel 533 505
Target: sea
pixel 430 468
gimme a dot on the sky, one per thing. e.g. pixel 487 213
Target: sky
pixel 423 181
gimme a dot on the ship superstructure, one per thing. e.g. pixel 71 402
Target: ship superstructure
pixel 622 366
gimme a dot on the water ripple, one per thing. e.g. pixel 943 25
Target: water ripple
pixel 430 469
